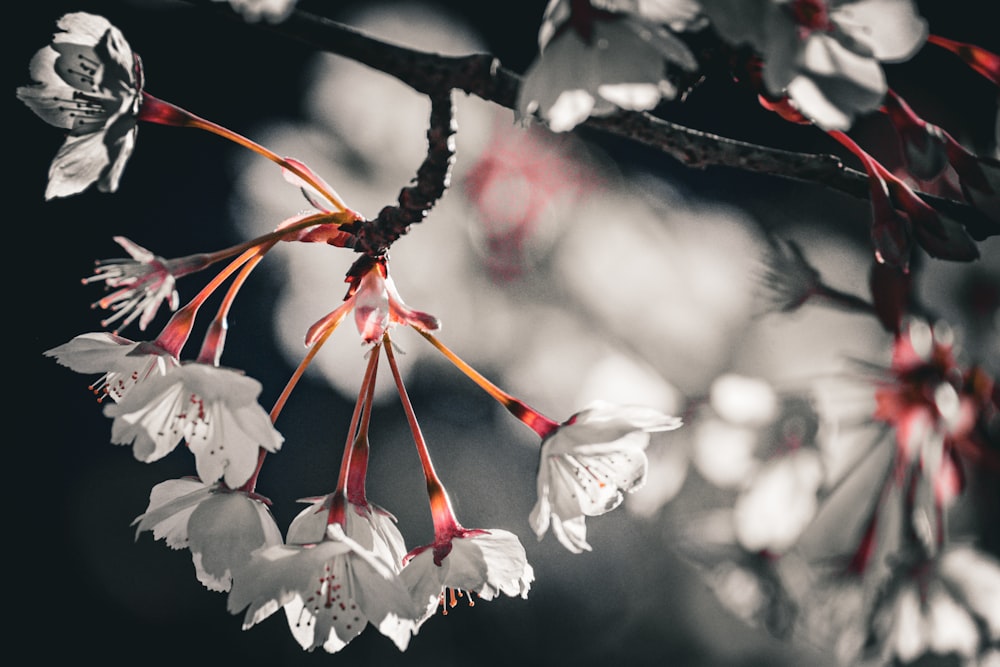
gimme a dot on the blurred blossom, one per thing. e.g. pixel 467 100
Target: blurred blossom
pixel 779 502
pixel 950 606
pixel 273 11
pixel 743 400
pixel 723 453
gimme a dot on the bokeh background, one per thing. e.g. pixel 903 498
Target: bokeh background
pixel 565 268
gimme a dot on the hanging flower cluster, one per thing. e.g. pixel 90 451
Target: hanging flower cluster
pixel 342 563
pixel 903 589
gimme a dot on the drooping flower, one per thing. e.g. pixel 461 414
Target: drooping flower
pixel 589 463
pixel 376 304
pixel 593 62
pixel 367 524
pixel 122 363
pixel 484 562
pixel 88 81
pixel 141 283
pixel 221 527
pixel 214 409
pixel 825 55
pixel 330 590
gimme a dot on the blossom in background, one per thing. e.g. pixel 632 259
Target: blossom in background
pixel 588 464
pixel 593 62
pixel 220 527
pixel 949 605
pixel 484 562
pixel 330 590
pixel 122 363
pixel 779 502
pixel 932 411
pixel 273 11
pixel 88 81
pixel 825 55
pixel 214 409
pixel 376 304
pixel 369 525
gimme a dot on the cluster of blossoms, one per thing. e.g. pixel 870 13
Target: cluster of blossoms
pixel 904 590
pixel 813 62
pixel 342 562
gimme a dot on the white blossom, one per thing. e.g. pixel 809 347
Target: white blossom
pixel 588 464
pixel 214 409
pixel 329 590
pixel 88 81
pixel 122 363
pixel 484 562
pixel 221 527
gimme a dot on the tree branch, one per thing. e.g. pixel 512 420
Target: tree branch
pixel 483 75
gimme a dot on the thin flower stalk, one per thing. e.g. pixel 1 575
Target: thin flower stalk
pixel 532 418
pixel 154 110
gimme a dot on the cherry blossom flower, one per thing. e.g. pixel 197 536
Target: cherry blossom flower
pixel 273 11
pixel 122 363
pixel 593 62
pixel 88 81
pixel 221 527
pixel 484 562
pixel 825 55
pixel 779 502
pixel 367 524
pixel 588 464
pixel 376 304
pixel 330 590
pixel 214 409
pixel 141 283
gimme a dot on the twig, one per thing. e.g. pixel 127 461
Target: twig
pixel 483 75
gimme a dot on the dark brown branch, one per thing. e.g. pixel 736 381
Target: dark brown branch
pixel 483 75
pixel 375 236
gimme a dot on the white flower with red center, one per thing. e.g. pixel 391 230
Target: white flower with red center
pixel 463 561
pixel 221 527
pixel 330 590
pixel 825 55
pixel 376 304
pixel 122 363
pixel 589 463
pixel 594 62
pixel 88 81
pixel 367 524
pixel 214 409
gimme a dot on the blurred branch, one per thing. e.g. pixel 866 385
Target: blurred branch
pixel 483 75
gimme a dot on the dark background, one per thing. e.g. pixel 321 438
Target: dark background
pixel 83 587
